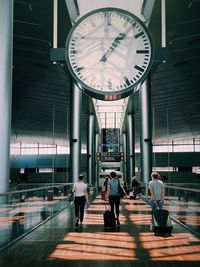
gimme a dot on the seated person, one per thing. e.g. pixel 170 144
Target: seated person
pixel 135 186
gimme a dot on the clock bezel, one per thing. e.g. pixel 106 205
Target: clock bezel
pixel 108 95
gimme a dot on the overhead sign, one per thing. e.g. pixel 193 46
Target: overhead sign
pixel 110 156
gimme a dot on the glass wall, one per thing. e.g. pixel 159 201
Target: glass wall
pixel 181 145
pixel 25 209
pixel 40 149
pixel 183 202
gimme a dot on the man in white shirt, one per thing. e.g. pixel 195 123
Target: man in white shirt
pixel 157 191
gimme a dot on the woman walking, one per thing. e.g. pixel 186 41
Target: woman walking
pixel 113 194
pixel 81 195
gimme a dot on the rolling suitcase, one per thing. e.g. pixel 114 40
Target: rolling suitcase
pixel 50 198
pixel 50 195
pixel 161 222
pixel 109 219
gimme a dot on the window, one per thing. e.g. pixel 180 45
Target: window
pixel 44 170
pixel 15 149
pixel 62 150
pixel 29 149
pixel 162 148
pixel 47 149
pixel 162 169
pixel 196 170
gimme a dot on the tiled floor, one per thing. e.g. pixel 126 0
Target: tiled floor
pixel 58 243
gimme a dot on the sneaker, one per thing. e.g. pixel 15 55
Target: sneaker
pixel 76 223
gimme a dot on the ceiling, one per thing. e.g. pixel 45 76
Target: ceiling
pixel 41 90
pixel 175 84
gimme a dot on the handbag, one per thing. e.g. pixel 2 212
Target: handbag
pixel 71 197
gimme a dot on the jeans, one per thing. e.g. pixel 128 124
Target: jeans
pixel 114 204
pixel 159 204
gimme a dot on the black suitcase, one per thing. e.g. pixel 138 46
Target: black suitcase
pixel 50 198
pixel 50 195
pixel 109 219
pixel 161 222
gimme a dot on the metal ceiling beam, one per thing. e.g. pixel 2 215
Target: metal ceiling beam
pixel 147 9
pixel 73 9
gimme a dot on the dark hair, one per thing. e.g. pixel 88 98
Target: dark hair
pixel 81 177
pixel 113 174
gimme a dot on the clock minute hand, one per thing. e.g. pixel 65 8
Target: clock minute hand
pixel 115 44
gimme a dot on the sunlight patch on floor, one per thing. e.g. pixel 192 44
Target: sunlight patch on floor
pixel 178 247
pixel 96 246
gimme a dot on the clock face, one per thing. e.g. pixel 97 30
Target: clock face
pixel 109 52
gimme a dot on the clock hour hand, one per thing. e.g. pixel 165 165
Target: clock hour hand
pixel 115 44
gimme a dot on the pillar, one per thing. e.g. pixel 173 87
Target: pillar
pixel 130 146
pixel 6 48
pixel 75 133
pixel 97 149
pixel 125 155
pixel 145 132
pixel 90 148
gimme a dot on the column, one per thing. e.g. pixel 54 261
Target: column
pixel 125 155
pixel 145 132
pixel 6 48
pixel 131 144
pixel 75 133
pixel 90 148
pixel 121 160
pixel 97 149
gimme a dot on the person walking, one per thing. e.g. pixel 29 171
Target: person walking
pixel 81 196
pixel 113 195
pixel 135 186
pixel 105 188
pixel 105 184
pixel 157 191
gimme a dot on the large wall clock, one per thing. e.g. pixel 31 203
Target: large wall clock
pixel 109 52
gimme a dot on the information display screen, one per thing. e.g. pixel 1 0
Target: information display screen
pixel 110 140
pixel 110 157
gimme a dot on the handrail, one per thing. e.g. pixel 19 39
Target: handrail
pixel 183 188
pixel 45 212
pixel 37 184
pixel 33 189
pixel 183 183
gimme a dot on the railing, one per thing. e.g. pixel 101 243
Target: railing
pixel 183 202
pixel 22 211
pixel 185 185
pixel 24 186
